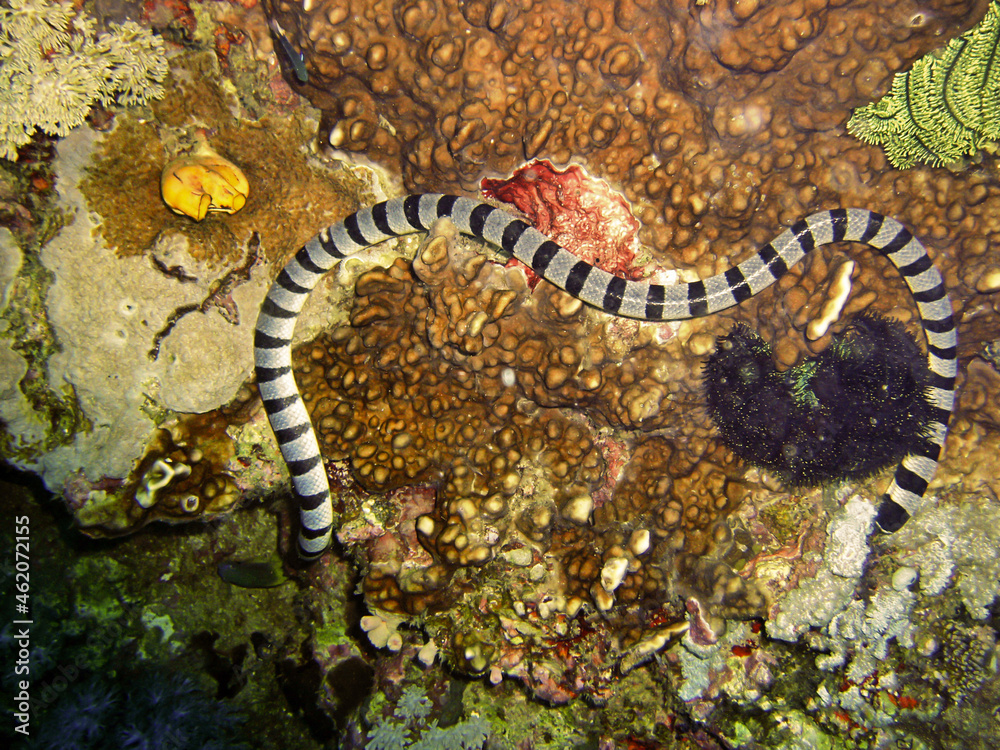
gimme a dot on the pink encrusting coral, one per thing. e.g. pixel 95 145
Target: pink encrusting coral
pixel 580 212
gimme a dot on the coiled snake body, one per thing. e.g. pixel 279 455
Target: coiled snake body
pixel 635 299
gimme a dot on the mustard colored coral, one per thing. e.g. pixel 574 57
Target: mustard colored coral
pixel 203 181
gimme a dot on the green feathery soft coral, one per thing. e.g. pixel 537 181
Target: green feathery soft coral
pixel 946 107
pixel 409 729
pixel 54 66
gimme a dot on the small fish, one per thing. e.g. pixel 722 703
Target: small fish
pixel 253 574
pixel 296 58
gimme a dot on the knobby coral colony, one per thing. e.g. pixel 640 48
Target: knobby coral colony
pixel 635 299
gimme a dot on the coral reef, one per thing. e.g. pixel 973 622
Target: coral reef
pixel 952 548
pixel 105 313
pixel 452 374
pixel 717 130
pixel 123 315
pixel 693 114
pixel 621 553
pixel 140 620
pixel 945 108
pixel 56 66
pixel 181 477
pixel 409 727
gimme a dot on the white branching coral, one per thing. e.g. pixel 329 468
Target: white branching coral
pixel 54 66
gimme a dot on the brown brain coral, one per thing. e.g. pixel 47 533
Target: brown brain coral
pixel 453 376
pixel 720 124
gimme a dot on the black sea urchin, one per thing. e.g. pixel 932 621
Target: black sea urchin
pixel 856 408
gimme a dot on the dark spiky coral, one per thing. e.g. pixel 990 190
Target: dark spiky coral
pixel 946 107
pixel 853 410
pixel 148 708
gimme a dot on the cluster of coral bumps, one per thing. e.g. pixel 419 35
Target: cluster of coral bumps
pixel 452 375
pixel 720 123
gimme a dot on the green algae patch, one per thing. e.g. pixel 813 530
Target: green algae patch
pixel 24 321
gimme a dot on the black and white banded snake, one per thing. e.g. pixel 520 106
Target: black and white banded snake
pixel 635 299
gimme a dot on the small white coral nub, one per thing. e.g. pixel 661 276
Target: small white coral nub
pixel 161 473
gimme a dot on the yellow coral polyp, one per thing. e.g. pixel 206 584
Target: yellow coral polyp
pixel 203 181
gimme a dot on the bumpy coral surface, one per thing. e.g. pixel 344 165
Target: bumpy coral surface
pixel 720 123
pixel 532 489
pixel 453 375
